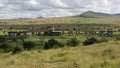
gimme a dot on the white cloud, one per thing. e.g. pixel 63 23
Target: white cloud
pixel 54 8
pixel 32 2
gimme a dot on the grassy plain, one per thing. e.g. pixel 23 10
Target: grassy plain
pixel 62 20
pixel 104 55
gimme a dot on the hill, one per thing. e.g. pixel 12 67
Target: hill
pixel 91 14
pixel 62 20
pixel 88 17
pixel 40 17
pixel 104 55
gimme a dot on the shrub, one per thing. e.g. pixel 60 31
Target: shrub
pixel 52 43
pixel 107 64
pixel 8 46
pixel 28 45
pixel 16 49
pixel 73 42
pixel 104 64
pixel 3 39
pixel 90 41
pixel 60 44
pixel 46 46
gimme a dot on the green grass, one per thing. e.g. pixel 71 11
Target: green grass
pixel 104 55
pixel 64 40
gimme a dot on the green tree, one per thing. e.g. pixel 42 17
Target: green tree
pixel 3 39
pixel 28 45
pixel 8 46
pixel 73 42
pixel 16 49
pixel 90 41
pixel 52 43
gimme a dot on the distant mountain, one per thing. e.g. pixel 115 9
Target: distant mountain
pixel 117 15
pixel 20 19
pixel 24 18
pixel 91 14
pixel 40 17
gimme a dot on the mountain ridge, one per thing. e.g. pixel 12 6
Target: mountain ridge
pixel 91 14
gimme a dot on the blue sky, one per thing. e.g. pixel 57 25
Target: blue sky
pixel 54 8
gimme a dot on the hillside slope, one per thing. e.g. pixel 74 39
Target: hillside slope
pixel 105 55
pixel 91 14
pixel 62 20
pixel 88 17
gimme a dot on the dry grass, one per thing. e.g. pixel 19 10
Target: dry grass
pixel 105 55
pixel 62 20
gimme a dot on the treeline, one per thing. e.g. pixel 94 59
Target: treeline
pixel 52 43
pixel 16 45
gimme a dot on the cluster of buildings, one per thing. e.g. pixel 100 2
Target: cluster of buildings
pixel 54 32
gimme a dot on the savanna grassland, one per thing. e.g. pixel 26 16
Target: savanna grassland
pixel 62 20
pixel 104 55
pixel 104 52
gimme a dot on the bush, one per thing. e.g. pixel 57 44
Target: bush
pixel 52 43
pixel 90 41
pixel 17 49
pixel 28 45
pixel 60 44
pixel 3 39
pixel 107 64
pixel 46 46
pixel 8 46
pixel 11 46
pixel 73 42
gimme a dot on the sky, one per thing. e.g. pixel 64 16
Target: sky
pixel 10 9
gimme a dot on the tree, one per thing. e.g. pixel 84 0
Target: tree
pixel 73 42
pixel 52 43
pixel 46 46
pixel 16 49
pixel 28 45
pixel 90 41
pixel 7 46
pixel 3 39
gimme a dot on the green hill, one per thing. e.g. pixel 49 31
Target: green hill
pixel 88 17
pixel 91 14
